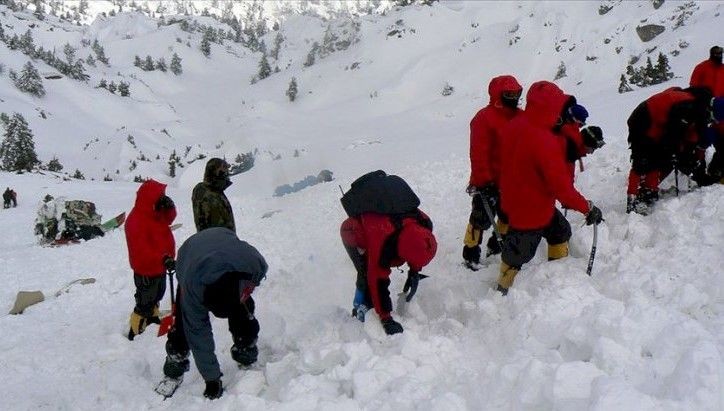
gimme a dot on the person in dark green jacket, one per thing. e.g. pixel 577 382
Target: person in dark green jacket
pixel 211 207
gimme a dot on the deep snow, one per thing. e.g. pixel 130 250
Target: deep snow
pixel 645 332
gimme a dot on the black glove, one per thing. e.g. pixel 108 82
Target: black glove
pixel 164 203
pixel 214 389
pixel 169 263
pixel 413 279
pixel 391 326
pixel 594 216
pixel 489 191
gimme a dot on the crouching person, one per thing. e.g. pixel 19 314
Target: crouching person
pixel 217 274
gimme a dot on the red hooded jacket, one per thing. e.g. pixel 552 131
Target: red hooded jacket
pixel 659 106
pixel 148 235
pixel 369 232
pixel 534 174
pixel 485 132
pixel 709 74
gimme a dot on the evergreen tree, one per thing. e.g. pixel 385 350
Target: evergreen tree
pixel 29 80
pixel 103 83
pixel 112 87
pixel 54 165
pixel 124 89
pixel 623 85
pixel 311 56
pixel 100 52
pixel 26 44
pixel 90 60
pixel 663 70
pixel 176 64
pixel 264 68
pixel 277 46
pixel 69 53
pixel 561 72
pixel 137 62
pixel 17 150
pixel 148 64
pixel 649 73
pixel 292 90
pixel 205 46
pixel 161 65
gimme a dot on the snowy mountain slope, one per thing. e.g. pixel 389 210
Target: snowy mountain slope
pixel 645 332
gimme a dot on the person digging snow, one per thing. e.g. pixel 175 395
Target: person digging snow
pixel 151 249
pixel 533 176
pixel 485 163
pixel 217 274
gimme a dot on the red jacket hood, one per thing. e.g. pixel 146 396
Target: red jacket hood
pixel 544 103
pixel 500 84
pixel 147 195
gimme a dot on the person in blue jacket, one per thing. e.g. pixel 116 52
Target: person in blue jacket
pixel 217 273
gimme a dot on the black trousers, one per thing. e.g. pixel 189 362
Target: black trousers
pixel 149 291
pixel 519 246
pixel 244 327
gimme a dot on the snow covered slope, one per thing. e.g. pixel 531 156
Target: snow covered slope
pixel 645 332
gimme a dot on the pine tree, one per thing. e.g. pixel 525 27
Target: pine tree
pixel 124 89
pixel 103 83
pixel 649 73
pixel 69 52
pixel 311 56
pixel 90 60
pixel 17 150
pixel 277 46
pixel 100 52
pixel 561 72
pixel 206 44
pixel 623 85
pixel 292 90
pixel 29 80
pixel 176 64
pixel 112 87
pixel 264 67
pixel 161 65
pixel 148 64
pixel 54 164
pixel 26 43
pixel 663 70
pixel 137 62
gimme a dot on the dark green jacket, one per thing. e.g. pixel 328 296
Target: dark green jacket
pixel 211 207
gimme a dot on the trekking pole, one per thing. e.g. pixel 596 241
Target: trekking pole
pixel 168 321
pixel 593 250
pixel 676 175
pixel 489 212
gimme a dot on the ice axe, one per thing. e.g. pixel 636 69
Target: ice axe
pixel 593 250
pixel 489 212
pixel 25 299
pixel 168 321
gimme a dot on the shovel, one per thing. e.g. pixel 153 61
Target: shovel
pixel 168 321
pixel 25 299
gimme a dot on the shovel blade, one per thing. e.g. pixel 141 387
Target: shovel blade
pixel 25 299
pixel 166 324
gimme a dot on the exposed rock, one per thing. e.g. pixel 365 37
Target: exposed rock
pixel 649 31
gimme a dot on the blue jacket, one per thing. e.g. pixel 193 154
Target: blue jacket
pixel 202 260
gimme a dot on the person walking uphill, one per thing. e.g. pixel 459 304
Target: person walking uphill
pixel 533 176
pixel 217 273
pixel 485 163
pixel 211 207
pixel 151 249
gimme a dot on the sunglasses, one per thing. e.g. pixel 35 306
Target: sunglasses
pixel 512 95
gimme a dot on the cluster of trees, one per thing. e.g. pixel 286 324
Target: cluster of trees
pixel 29 80
pixel 333 41
pixel 646 75
pixel 148 64
pixel 70 66
pixel 123 88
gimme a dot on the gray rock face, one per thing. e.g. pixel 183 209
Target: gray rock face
pixel 649 31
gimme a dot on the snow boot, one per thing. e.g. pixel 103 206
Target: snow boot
pixel 138 325
pixel 244 354
pixel 507 275
pixel 176 364
pixel 471 257
pixel 557 251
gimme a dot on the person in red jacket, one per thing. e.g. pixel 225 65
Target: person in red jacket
pixel 533 176
pixel 151 250
pixel 576 142
pixel 710 73
pixel 664 132
pixel 375 243
pixel 485 162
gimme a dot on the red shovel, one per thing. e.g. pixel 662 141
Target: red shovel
pixel 168 321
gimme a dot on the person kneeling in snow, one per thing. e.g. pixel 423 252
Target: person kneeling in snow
pixel 217 273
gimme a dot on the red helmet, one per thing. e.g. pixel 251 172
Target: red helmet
pixel 416 245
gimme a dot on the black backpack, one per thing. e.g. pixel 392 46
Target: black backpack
pixel 378 192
